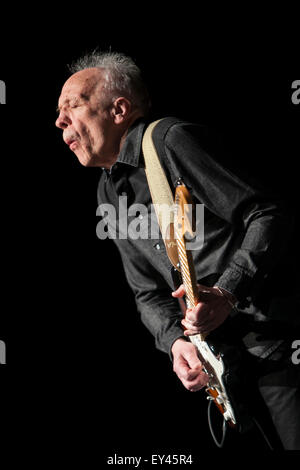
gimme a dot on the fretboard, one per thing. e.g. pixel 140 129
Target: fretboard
pixel 187 272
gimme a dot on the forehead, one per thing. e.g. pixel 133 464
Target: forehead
pixel 82 83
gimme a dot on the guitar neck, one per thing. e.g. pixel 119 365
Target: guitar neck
pixel 187 273
pixel 186 262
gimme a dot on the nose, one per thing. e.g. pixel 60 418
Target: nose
pixel 63 120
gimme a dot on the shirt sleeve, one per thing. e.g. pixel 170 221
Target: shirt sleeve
pixel 265 222
pixel 159 311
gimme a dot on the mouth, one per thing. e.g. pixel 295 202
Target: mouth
pixel 72 143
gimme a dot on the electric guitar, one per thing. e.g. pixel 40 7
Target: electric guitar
pixel 219 361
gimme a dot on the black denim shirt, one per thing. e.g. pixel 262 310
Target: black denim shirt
pixel 245 232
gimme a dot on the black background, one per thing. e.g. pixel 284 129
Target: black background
pixel 82 373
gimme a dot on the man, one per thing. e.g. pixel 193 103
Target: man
pixel 103 110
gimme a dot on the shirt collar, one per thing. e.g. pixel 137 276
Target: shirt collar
pixel 131 150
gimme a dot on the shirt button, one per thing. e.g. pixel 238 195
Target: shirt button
pixel 157 246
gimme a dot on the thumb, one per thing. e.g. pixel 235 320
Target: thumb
pixel 180 292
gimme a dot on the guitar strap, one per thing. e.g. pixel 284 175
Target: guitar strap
pixel 162 196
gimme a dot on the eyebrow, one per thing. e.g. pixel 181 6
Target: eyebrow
pixel 82 96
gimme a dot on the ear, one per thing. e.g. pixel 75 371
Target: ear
pixel 120 110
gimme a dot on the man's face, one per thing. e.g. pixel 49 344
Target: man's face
pixel 86 123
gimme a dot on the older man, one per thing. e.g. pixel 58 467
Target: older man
pixel 103 110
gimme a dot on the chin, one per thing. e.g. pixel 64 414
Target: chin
pixel 84 159
pixel 89 159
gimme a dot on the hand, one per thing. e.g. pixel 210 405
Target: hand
pixel 187 365
pixel 211 311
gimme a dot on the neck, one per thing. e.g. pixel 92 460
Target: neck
pixel 134 116
pixel 121 139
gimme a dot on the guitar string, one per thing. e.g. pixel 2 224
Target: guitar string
pixel 184 265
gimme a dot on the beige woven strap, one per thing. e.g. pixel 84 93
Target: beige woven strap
pixel 161 193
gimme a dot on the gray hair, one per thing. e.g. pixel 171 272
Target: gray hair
pixel 122 76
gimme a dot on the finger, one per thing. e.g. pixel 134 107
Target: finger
pixel 203 329
pixel 191 357
pixel 180 292
pixel 185 372
pixel 197 384
pixel 188 332
pixel 189 374
pixel 181 367
pixel 191 327
pixel 193 374
pixel 197 314
pixel 187 360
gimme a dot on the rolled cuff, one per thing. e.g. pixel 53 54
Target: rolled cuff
pixel 236 282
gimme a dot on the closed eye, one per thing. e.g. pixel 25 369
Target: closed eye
pixel 72 105
pixel 76 105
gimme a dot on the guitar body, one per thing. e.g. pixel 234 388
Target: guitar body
pixel 214 366
pixel 224 365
